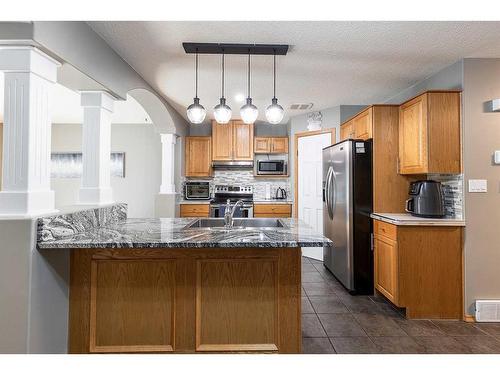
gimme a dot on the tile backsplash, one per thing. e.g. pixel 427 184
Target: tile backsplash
pixel 453 189
pixel 246 177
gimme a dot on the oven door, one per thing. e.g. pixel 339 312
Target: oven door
pixel 276 167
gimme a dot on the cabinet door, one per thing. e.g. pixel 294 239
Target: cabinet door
pixel 242 141
pixel 279 145
pixel 272 210
pixel 222 141
pixel 262 145
pixel 363 125
pixel 198 156
pixel 195 210
pixel 346 130
pixel 386 267
pixel 413 136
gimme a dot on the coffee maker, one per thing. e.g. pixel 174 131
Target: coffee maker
pixel 426 199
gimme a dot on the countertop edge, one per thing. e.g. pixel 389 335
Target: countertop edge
pixel 419 222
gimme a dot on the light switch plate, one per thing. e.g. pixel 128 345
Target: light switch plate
pixel 497 157
pixel 478 186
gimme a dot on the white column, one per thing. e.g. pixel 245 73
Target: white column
pixel 167 163
pixel 96 148
pixel 29 76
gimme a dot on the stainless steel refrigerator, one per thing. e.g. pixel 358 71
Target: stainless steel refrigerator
pixel 347 205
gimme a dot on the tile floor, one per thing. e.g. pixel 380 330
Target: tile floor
pixel 333 321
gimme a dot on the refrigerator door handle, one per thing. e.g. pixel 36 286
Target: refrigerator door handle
pixel 333 187
pixel 327 191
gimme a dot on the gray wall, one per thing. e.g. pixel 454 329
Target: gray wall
pixel 142 147
pixel 481 139
pixel 33 293
pixel 450 78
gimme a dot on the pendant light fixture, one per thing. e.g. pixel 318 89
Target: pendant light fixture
pixel 196 112
pixel 249 112
pixel 275 112
pixel 222 112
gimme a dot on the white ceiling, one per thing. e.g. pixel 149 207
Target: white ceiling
pixel 329 63
pixel 67 108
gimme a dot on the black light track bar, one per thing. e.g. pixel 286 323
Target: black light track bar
pixel 236 49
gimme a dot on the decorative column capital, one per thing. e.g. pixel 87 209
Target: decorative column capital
pixel 27 59
pixel 168 138
pixel 97 99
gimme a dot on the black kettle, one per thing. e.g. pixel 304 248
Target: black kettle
pixel 280 193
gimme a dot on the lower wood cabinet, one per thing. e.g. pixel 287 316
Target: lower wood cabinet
pixel 195 210
pixel 420 268
pixel 185 300
pixel 272 210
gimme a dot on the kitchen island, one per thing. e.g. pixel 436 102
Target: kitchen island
pixel 161 285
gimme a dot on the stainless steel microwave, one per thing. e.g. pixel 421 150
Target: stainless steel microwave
pixel 271 167
pixel 197 190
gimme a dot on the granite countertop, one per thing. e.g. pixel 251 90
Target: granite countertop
pixel 171 233
pixel 407 219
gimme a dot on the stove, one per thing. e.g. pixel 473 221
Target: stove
pixel 234 193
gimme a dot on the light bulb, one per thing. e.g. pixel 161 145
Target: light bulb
pixel 275 112
pixel 222 112
pixel 249 112
pixel 195 112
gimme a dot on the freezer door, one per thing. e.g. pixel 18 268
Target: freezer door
pixel 337 212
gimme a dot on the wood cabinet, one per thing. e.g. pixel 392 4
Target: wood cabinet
pixel 198 156
pixel 272 210
pixel 429 134
pixel 347 130
pixel 195 210
pixel 232 141
pixel 362 124
pixel 271 145
pixel 420 268
pixel 182 300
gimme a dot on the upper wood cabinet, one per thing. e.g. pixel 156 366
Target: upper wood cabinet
pixel 262 145
pixel 242 141
pixel 347 130
pixel 362 124
pixel 271 145
pixel 232 141
pixel 198 156
pixel 429 134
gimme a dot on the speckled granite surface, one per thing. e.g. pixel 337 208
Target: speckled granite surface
pixel 59 226
pixel 171 233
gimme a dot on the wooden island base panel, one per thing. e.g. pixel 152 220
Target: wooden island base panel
pixel 185 300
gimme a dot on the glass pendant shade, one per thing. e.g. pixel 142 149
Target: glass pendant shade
pixel 249 112
pixel 195 112
pixel 275 112
pixel 222 112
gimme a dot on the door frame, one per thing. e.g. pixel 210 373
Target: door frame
pixel 296 160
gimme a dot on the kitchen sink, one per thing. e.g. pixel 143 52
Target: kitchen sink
pixel 238 223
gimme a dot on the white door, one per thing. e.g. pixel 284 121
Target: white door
pixel 309 189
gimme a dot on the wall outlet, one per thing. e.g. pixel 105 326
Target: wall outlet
pixel 497 157
pixel 478 186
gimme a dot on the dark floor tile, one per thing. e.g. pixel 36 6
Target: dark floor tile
pixel 480 344
pixel 315 261
pixel 455 328
pixel 340 325
pixel 311 327
pixel 317 345
pixel 303 292
pixel 441 345
pixel 308 267
pixel 386 307
pixel 379 325
pixel 398 345
pixel 359 304
pixel 354 345
pixel 327 305
pixel 312 277
pixel 306 306
pixel 318 289
pixel 305 260
pixel 419 327
pixel 490 328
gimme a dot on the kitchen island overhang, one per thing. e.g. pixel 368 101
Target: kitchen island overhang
pixel 151 285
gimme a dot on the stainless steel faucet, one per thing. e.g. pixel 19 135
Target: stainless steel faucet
pixel 229 213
